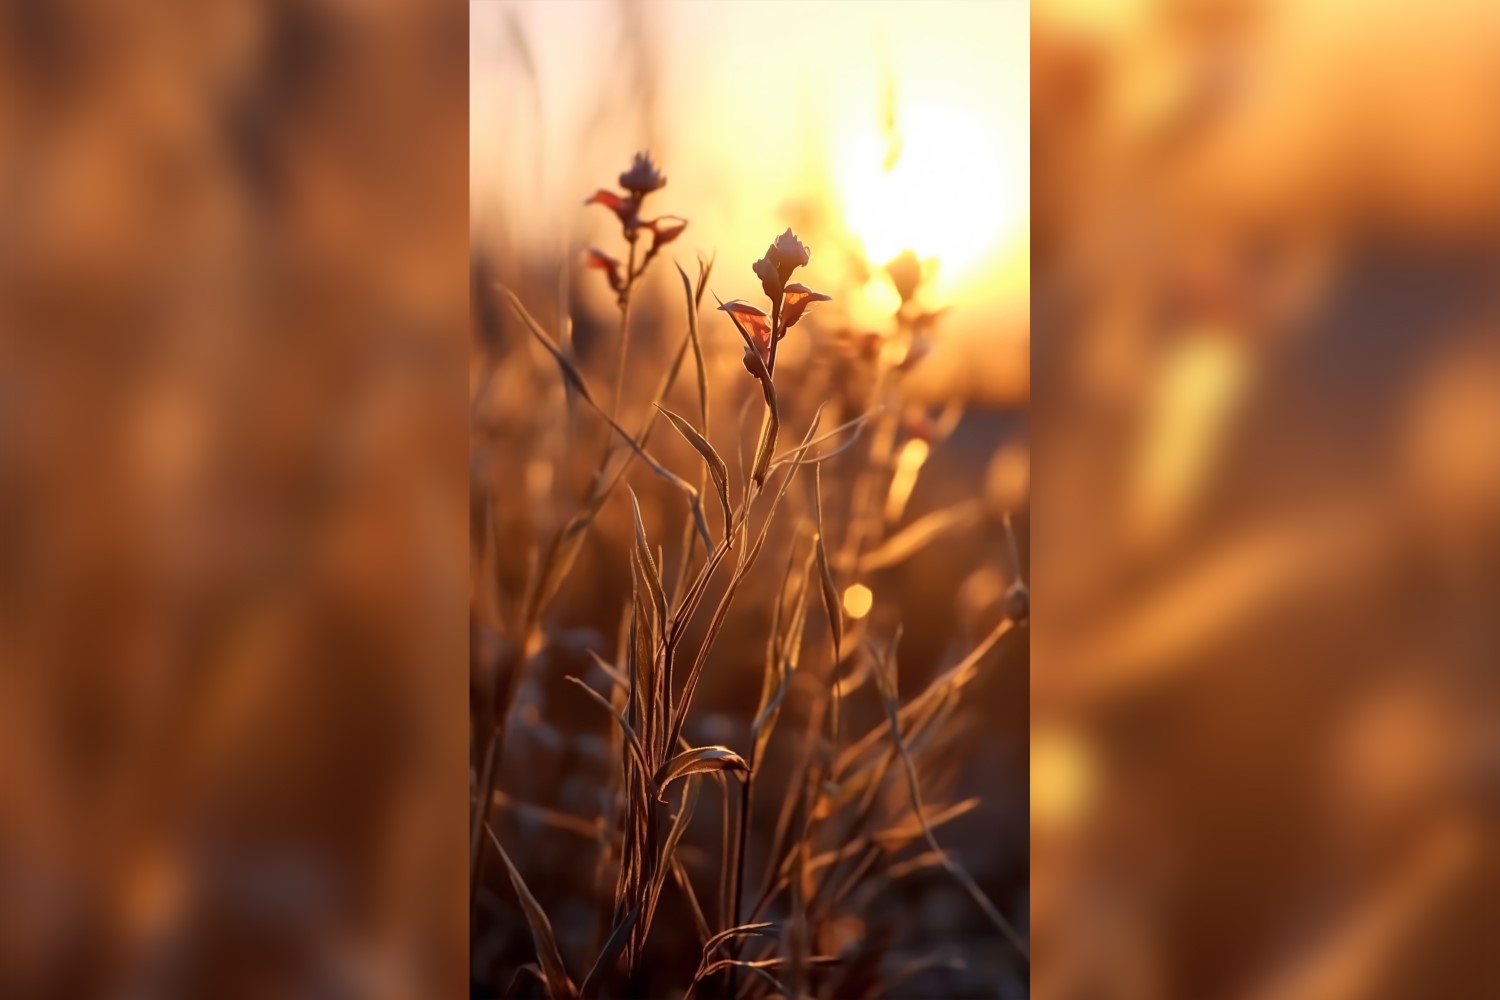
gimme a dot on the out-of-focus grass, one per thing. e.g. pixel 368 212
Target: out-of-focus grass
pixel 1264 697
pixel 233 317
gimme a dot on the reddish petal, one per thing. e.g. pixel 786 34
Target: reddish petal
pixel 756 323
pixel 602 261
pixel 608 199
pixel 798 298
pixel 624 208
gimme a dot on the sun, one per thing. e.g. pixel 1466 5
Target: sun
pixel 951 194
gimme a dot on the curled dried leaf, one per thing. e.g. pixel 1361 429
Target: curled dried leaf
pixel 699 760
pixel 665 229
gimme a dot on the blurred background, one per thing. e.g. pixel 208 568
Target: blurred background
pixel 233 328
pixel 1265 733
pixel 247 256
pixel 877 132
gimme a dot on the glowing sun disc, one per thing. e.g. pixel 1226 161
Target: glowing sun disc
pixel 951 194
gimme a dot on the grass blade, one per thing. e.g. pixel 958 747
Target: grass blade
pixel 607 955
pixel 554 972
pixel 565 364
pixel 716 466
pixel 887 680
pixel 650 570
pixel 692 312
pixel 631 739
pixel 575 378
pixel 911 539
pixel 825 572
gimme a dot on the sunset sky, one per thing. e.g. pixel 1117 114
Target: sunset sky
pixel 765 113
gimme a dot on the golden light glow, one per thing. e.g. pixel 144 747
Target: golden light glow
pixel 908 463
pixel 951 194
pixel 1007 480
pixel 858 600
pixel 882 295
pixel 1198 387
pixel 1063 779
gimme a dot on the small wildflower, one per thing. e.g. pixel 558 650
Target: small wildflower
pixel 788 302
pixel 798 298
pixel 640 180
pixel 782 257
pixel 643 177
pixel 788 254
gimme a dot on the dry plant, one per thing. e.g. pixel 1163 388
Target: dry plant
pixel 856 813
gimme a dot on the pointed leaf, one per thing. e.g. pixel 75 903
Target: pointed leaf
pixel 554 972
pixel 825 573
pixel 607 955
pixel 631 739
pixel 562 554
pixel 716 467
pixel 649 568
pixel 798 298
pixel 569 370
pixel 665 229
pixel 705 268
pixel 692 313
